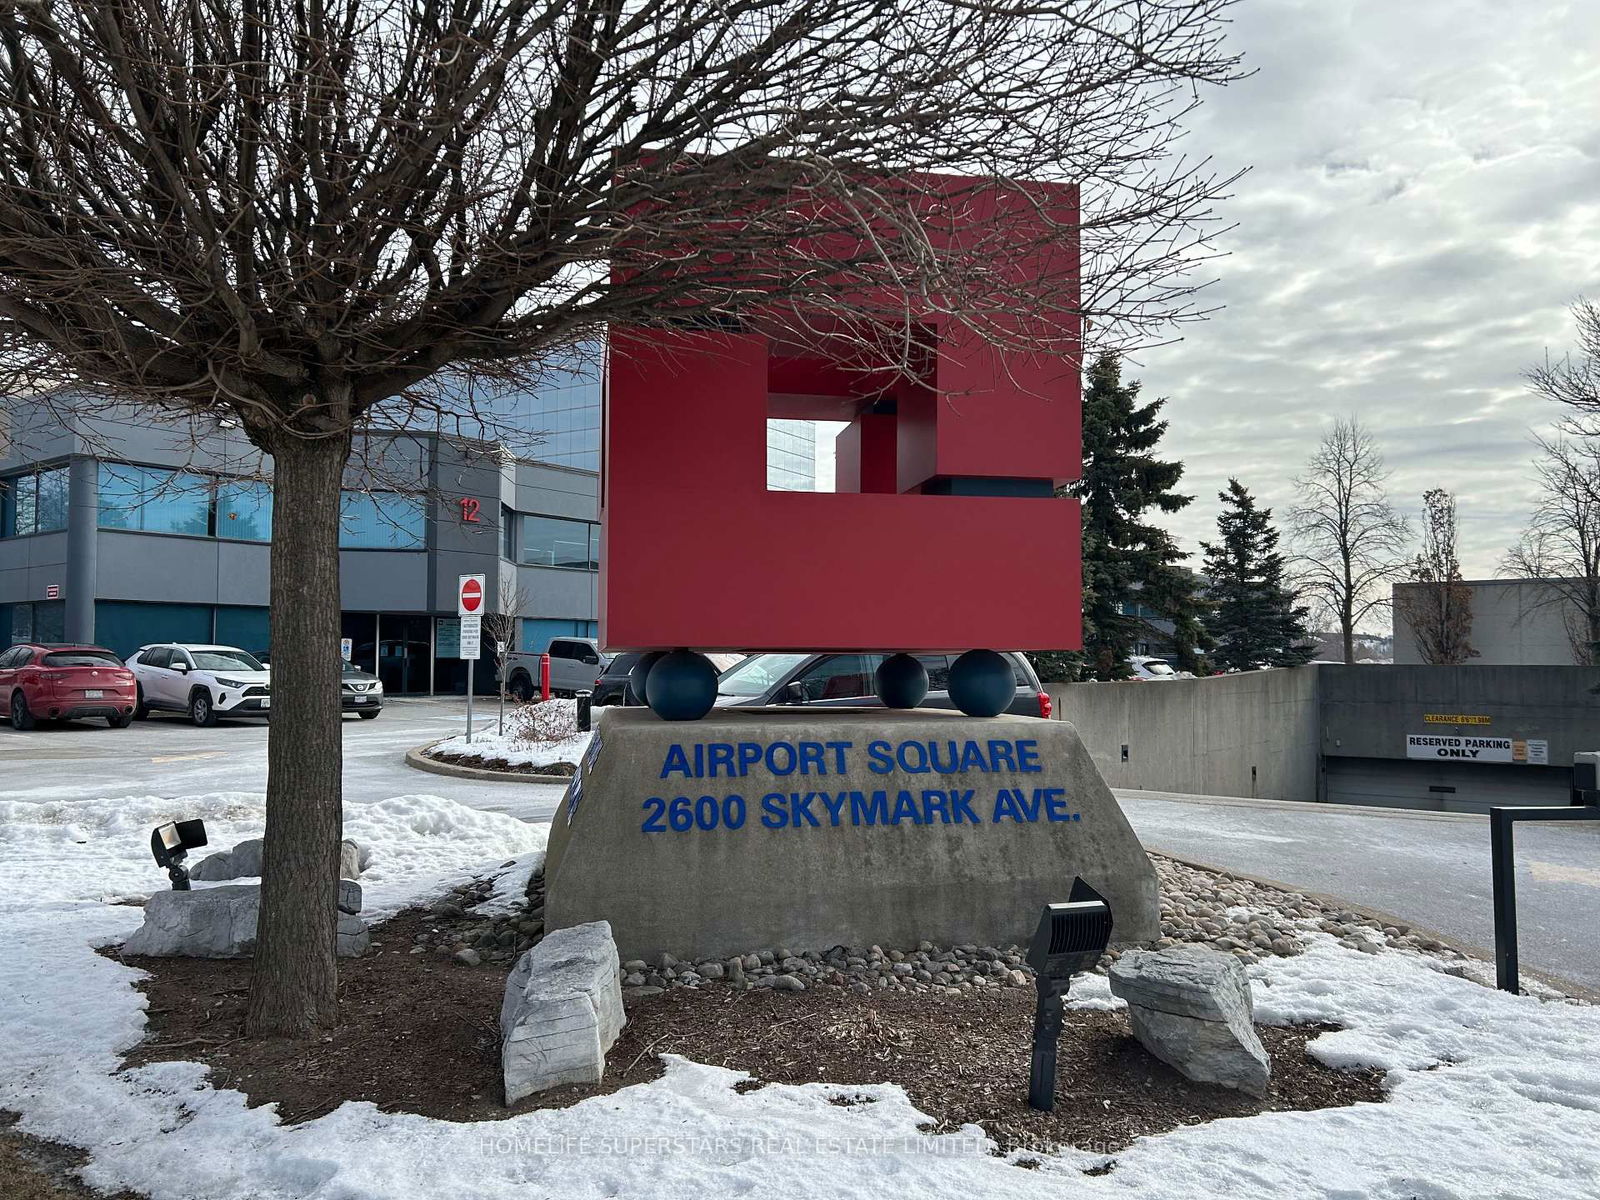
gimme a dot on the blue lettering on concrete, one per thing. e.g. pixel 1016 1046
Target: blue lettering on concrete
pixel 880 758
pixel 905 809
pixel 869 812
pixel 812 809
pixel 773 814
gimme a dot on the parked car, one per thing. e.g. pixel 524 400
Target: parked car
pixel 48 681
pixel 611 686
pixel 361 692
pixel 839 680
pixel 1145 668
pixel 206 682
pixel 575 664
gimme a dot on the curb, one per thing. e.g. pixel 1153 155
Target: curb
pixel 1569 986
pixel 417 758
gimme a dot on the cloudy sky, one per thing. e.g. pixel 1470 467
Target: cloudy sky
pixel 1423 204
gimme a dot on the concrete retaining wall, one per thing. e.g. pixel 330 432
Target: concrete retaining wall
pixel 1252 734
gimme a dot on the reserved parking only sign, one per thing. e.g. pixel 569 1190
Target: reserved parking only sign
pixel 1461 748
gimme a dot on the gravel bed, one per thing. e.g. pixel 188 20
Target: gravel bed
pixel 1252 921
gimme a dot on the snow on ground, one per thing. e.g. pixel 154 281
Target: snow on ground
pixel 1491 1095
pixel 488 745
pixel 533 735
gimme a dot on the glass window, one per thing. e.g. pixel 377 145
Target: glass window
pixel 244 511
pixel 122 626
pixel 39 622
pixel 839 676
pixel 159 657
pixel 938 668
pixel 34 503
pixel 154 501
pixel 381 521
pixel 81 658
pixel 508 534
pixel 557 542
pixel 25 490
pixel 223 660
pixel 756 674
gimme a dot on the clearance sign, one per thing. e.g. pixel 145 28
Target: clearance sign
pixel 1452 747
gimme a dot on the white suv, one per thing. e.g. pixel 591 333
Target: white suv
pixel 206 682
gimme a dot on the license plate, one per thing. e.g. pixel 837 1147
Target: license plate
pixel 266 704
pixel 94 694
pixel 361 700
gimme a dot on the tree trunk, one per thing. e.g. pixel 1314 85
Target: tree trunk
pixel 293 989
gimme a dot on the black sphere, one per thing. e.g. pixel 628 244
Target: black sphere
pixel 641 672
pixel 902 681
pixel 981 683
pixel 681 686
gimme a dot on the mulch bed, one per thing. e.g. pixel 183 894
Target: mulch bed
pixel 565 769
pixel 420 1034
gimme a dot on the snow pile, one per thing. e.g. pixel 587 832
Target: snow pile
pixel 1492 1095
pixel 488 746
pixel 53 854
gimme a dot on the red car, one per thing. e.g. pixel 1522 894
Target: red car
pixel 49 682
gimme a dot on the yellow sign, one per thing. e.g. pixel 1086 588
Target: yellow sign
pixel 1454 719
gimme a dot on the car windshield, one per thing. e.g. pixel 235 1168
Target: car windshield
pixel 757 674
pixel 349 668
pixel 224 660
pixel 81 658
pixel 621 664
pixel 1156 667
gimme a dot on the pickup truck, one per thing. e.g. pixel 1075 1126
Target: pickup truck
pixel 575 663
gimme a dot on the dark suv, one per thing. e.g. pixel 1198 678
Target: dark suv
pixel 612 685
pixel 847 680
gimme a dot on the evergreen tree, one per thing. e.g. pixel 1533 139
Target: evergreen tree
pixel 1127 562
pixel 1253 618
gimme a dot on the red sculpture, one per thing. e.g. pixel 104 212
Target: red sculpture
pixel 944 533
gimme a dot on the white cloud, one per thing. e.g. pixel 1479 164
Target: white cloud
pixel 1424 204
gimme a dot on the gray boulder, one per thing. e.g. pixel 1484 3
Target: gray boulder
pixel 220 922
pixel 1191 1007
pixel 562 1011
pixel 244 862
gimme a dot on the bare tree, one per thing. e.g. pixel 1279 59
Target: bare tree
pixel 1560 549
pixel 511 601
pixel 1436 604
pixel 1574 379
pixel 318 217
pixel 1348 539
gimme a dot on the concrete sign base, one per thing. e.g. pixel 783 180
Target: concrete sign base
pixel 756 828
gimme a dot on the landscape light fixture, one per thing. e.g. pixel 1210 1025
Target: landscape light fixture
pixel 1070 938
pixel 169 844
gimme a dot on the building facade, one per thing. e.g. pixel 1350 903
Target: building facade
pixel 125 532
pixel 1515 622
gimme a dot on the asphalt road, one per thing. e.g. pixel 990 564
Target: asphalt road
pixel 1431 869
pixel 1427 868
pixel 167 756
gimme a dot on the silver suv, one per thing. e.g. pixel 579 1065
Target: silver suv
pixel 206 682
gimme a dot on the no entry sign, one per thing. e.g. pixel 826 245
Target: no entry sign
pixel 469 596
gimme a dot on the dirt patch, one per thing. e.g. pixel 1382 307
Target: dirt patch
pixel 34 1169
pixel 564 769
pixel 419 1034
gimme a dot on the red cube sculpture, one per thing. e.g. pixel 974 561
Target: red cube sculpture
pixel 944 533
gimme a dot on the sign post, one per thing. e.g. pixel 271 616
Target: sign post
pixel 469 608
